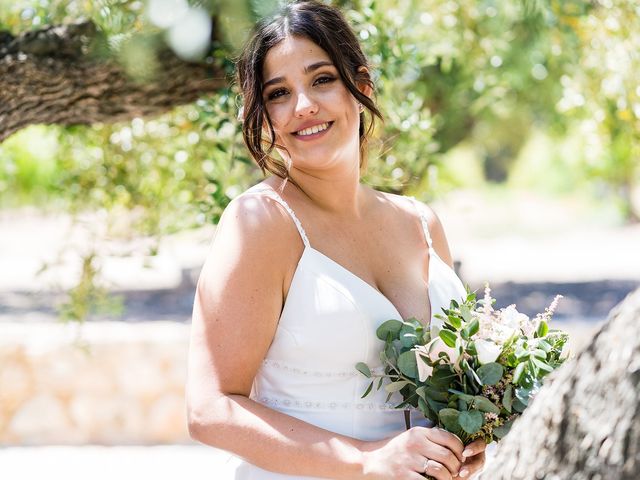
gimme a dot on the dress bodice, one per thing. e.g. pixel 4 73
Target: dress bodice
pixel 328 324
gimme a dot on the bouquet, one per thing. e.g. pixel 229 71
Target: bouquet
pixel 477 373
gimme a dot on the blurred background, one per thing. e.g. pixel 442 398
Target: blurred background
pixel 518 121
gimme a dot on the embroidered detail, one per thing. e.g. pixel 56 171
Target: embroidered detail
pixel 310 405
pixel 317 373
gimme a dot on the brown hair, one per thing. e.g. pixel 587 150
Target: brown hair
pixel 327 28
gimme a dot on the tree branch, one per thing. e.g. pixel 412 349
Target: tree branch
pixel 53 76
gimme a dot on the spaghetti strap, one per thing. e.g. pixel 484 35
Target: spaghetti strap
pixel 423 220
pixel 273 194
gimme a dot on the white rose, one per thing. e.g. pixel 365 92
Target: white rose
pixel 487 351
pixel 512 318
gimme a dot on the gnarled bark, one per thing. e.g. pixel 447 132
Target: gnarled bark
pixel 51 76
pixel 585 423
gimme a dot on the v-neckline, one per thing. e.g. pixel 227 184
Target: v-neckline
pixel 371 287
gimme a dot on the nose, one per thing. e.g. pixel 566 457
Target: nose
pixel 305 105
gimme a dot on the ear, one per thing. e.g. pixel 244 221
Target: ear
pixel 364 86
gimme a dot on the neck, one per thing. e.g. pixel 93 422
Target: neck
pixel 337 193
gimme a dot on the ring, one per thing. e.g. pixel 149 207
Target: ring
pixel 426 465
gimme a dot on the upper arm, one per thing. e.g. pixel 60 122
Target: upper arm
pixel 238 300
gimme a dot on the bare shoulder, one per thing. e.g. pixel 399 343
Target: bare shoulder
pixel 415 208
pixel 256 221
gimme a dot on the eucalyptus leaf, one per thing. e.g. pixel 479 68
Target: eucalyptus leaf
pixel 490 373
pixel 501 431
pixel 407 364
pixel 396 386
pixel 466 397
pixel 518 406
pixel 364 369
pixel 471 421
pixel 436 406
pixel 368 390
pixel 408 337
pixel 485 405
pixel 389 327
pixel 449 418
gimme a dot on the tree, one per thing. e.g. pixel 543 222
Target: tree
pixel 583 424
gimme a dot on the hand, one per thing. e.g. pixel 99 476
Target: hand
pixel 406 455
pixel 474 459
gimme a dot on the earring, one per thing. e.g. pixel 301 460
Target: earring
pixel 360 107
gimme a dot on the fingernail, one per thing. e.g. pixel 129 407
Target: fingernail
pixel 464 473
pixel 467 453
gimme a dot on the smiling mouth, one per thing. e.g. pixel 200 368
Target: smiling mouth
pixel 313 130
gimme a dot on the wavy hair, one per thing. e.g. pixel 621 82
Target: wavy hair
pixel 326 27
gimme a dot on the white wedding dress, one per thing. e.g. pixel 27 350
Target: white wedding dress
pixel 327 325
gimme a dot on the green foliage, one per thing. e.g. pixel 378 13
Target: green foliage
pixel 478 77
pixel 458 383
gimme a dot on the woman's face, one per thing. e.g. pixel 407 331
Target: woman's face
pixel 312 113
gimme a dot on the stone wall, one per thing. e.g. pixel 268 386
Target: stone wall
pixel 101 383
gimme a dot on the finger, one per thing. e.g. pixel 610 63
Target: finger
pixel 472 465
pixel 475 447
pixel 441 455
pixel 437 470
pixel 446 439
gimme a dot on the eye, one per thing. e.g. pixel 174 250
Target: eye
pixel 277 93
pixel 324 79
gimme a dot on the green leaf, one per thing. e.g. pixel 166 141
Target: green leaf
pixel 391 327
pixel 368 390
pixel 454 321
pixel 490 373
pixel 442 377
pixel 472 328
pixel 449 418
pixel 448 337
pixel 543 329
pixel 465 312
pixel 518 406
pixel 517 374
pixel 363 368
pixel 379 386
pixel 485 405
pixel 396 386
pixel 407 364
pixel 501 431
pixel 471 421
pixel 435 394
pixel 544 346
pixel 523 395
pixel 436 406
pixel 407 336
pixel 464 396
pixel 507 398
pixel 542 365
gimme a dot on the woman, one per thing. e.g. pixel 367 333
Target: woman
pixel 304 267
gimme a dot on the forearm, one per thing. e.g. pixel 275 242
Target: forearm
pixel 275 441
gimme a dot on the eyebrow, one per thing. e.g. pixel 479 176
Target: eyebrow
pixel 309 68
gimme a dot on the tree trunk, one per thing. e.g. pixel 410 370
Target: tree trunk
pixel 585 422
pixel 52 76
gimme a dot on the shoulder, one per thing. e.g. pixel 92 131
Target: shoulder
pixel 419 210
pixel 257 217
pixel 414 208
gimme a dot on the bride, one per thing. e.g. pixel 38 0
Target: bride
pixel 303 269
